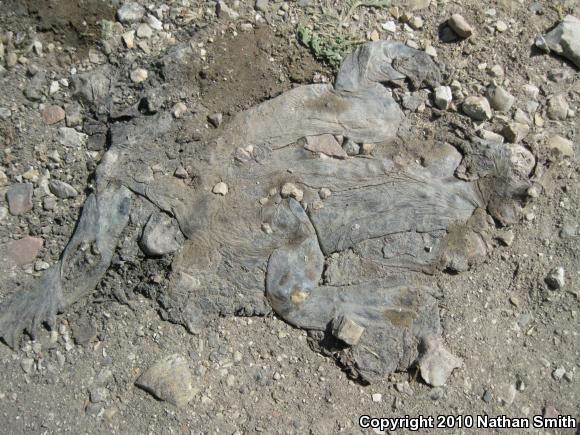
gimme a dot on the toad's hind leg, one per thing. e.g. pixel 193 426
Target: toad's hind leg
pixel 80 268
pixel 383 320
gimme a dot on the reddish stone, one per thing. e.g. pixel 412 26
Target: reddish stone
pixel 19 198
pixel 325 144
pixel 52 114
pixel 25 250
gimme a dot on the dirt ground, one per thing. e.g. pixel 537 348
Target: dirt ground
pixel 517 337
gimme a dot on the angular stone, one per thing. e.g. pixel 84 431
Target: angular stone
pixel 19 198
pixel 144 31
pixel 564 40
pixel 437 363
pixel 514 132
pixel 460 26
pixel 325 144
pixel 52 114
pixel 24 250
pixel 130 12
pixel 500 99
pixel 443 97
pixel 170 380
pixel 71 138
pixel 61 189
pixel 558 107
pixel 161 236
pixel 74 116
pixel 477 108
pixel 347 330
pixel 224 11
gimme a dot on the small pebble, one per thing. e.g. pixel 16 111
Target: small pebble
pixel 139 75
pixel 220 189
pixel 460 26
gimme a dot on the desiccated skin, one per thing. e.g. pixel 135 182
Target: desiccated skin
pixel 354 266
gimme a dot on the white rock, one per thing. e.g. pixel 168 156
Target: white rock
pixel 130 12
pixel 377 397
pixel 437 363
pixel 324 193
pixel 389 26
pixel 154 23
pixel 139 75
pixel 431 51
pixel 443 97
pixel 220 189
pixel 179 109
pixel 501 26
pixel 289 190
pixel 129 39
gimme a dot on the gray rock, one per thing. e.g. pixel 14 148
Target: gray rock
pixel 568 231
pixel 443 97
pixel 514 132
pixel 5 113
pixel 351 147
pixel 69 137
pixel 35 86
pixel 73 115
pixel 215 119
pixel 477 108
pixel 487 397
pixel 558 107
pixel 130 12
pixel 170 380
pixel 99 394
pixel 261 5
pixel 500 99
pixel 161 236
pixel 224 11
pixel 555 278
pixel 61 189
pixel 144 31
pixel 19 198
pixel 84 331
pixel 563 40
